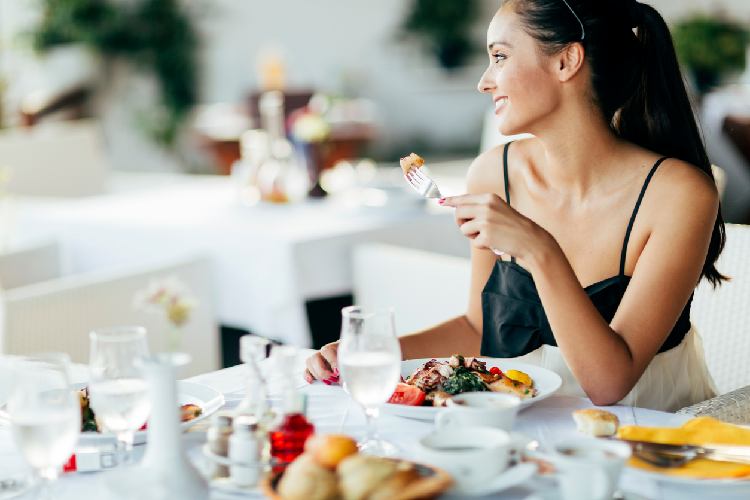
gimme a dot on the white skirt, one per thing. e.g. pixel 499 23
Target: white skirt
pixel 675 379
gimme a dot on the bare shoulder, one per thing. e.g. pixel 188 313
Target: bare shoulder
pixel 683 190
pixel 486 172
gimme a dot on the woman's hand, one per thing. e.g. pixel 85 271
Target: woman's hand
pixel 323 365
pixel 492 224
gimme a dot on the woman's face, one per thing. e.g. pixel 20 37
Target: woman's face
pixel 520 78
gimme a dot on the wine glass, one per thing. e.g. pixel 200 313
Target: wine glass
pixel 369 358
pixel 44 412
pixel 118 390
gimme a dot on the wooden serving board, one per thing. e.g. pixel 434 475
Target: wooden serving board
pixel 431 483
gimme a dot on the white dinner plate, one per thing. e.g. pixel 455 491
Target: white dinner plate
pixel 510 477
pixel 546 382
pixel 207 398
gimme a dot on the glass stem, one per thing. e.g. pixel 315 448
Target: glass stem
pixel 45 478
pixel 372 424
pixel 125 442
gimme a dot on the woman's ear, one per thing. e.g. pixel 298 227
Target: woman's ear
pixel 569 61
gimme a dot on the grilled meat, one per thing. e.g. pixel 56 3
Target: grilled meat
pixel 437 398
pixel 430 376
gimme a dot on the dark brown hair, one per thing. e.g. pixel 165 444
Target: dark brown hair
pixel 636 79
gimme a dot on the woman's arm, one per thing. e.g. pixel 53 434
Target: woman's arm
pixel 460 335
pixel 607 360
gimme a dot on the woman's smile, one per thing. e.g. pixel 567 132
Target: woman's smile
pixel 500 103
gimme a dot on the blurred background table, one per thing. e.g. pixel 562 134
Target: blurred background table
pixel 270 260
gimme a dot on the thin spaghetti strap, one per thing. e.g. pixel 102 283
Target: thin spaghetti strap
pixel 635 212
pixel 507 184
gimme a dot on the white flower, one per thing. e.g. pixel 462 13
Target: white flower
pixel 170 296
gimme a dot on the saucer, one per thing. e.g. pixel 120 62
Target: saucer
pixel 510 477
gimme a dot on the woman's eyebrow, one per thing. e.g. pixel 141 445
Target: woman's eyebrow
pixel 499 42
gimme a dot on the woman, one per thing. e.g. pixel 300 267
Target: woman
pixel 608 216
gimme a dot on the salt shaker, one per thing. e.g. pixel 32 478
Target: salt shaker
pixel 218 442
pixel 245 446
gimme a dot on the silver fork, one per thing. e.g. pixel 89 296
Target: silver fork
pixel 422 184
pixel 663 460
pixel 426 187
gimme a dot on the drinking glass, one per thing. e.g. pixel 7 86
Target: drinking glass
pixel 118 389
pixel 45 413
pixel 369 358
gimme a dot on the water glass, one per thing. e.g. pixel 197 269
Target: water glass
pixel 45 413
pixel 369 359
pixel 118 389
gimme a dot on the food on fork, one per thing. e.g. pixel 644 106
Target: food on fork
pixel 595 422
pixel 410 162
pixel 439 380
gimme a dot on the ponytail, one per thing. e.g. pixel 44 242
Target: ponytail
pixel 636 80
pixel 660 117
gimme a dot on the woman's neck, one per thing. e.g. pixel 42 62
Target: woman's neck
pixel 581 153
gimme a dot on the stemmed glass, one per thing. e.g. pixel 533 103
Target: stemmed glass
pixel 369 358
pixel 118 390
pixel 45 413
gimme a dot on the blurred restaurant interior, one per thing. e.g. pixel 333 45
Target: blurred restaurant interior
pixel 250 149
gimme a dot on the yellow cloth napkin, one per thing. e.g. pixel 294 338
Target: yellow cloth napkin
pixel 701 431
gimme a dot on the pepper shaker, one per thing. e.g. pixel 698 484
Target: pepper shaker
pixel 218 442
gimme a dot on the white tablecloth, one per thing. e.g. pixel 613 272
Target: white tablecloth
pixel 268 259
pixel 332 410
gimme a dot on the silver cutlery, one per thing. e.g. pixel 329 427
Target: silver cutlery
pixel 426 187
pixel 671 455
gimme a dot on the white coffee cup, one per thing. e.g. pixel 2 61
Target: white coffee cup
pixel 470 455
pixel 483 409
pixel 588 469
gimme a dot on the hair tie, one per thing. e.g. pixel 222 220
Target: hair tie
pixel 634 12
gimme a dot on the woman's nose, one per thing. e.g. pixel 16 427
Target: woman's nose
pixel 485 83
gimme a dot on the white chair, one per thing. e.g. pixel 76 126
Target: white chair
pixel 55 159
pixel 722 316
pixel 58 314
pixel 29 264
pixel 425 288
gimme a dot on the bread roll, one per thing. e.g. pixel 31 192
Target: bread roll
pixel 596 422
pixel 359 475
pixel 304 479
pixel 329 449
pixel 390 487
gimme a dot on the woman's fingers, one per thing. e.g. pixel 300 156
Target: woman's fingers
pixel 471 199
pixel 318 368
pixel 330 354
pixel 323 365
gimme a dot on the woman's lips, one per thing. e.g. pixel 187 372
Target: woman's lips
pixel 500 103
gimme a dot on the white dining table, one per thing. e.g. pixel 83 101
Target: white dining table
pixel 268 259
pixel 332 410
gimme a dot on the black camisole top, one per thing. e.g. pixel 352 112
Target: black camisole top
pixel 514 321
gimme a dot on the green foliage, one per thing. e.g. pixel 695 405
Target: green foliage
pixel 711 45
pixel 156 35
pixel 463 380
pixel 446 27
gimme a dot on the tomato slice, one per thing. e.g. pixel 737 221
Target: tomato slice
pixel 406 394
pixel 496 371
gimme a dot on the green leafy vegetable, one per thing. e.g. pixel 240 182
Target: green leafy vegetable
pixel 463 380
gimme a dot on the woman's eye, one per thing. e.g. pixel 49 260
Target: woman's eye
pixel 498 57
